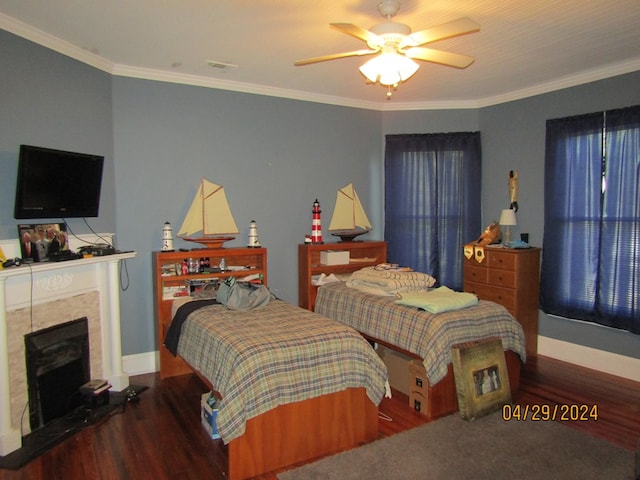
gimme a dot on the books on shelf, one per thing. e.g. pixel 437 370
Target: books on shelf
pixel 170 292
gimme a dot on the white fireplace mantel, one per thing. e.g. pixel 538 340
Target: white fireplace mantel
pixel 39 283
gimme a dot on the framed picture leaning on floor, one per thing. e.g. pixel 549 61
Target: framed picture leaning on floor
pixel 481 376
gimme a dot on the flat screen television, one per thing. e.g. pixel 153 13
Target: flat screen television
pixel 57 184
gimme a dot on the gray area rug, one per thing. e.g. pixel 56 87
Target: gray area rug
pixel 487 448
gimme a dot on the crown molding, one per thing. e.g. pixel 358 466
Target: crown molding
pixel 208 82
pixel 51 42
pixel 564 82
pixel 61 46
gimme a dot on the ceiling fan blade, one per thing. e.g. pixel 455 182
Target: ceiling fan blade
pixel 446 30
pixel 355 31
pixel 438 56
pixel 334 56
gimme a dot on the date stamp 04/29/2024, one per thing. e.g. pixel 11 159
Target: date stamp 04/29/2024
pixel 548 413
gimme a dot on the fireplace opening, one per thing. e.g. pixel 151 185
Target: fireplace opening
pixel 58 364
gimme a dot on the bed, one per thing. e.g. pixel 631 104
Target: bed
pixel 425 336
pixel 281 369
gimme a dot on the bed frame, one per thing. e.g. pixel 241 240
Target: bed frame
pixel 314 428
pixel 442 398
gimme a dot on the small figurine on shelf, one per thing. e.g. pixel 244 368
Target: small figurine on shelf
pixel 167 238
pixel 253 235
pixel 513 190
pixel 316 227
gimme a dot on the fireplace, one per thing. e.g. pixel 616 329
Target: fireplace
pixel 38 296
pixel 57 361
pixel 37 318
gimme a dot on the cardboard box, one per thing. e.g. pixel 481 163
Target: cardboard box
pixel 334 257
pixel 418 387
pixel 209 415
pixel 397 367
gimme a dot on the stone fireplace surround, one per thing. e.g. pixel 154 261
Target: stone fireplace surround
pixel 47 315
pixel 41 295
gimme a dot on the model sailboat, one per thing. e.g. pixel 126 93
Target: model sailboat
pixel 210 214
pixel 349 219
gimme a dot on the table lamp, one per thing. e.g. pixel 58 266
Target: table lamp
pixel 508 218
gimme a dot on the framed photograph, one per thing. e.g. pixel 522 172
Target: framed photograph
pixel 37 241
pixel 481 376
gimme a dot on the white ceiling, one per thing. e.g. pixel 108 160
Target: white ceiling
pixel 524 47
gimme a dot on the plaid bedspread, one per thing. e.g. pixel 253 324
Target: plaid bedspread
pixel 275 355
pixel 425 334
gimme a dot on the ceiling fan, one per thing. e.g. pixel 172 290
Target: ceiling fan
pixel 398 46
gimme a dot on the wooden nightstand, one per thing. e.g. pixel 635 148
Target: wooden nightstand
pixel 510 277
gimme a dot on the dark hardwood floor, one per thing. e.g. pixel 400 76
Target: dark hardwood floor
pixel 160 437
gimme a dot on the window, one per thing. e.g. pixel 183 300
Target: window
pixel 591 247
pixel 432 201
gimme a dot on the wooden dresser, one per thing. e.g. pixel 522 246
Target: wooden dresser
pixel 510 277
pixel 362 254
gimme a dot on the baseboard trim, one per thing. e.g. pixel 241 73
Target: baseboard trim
pixel 607 362
pixel 141 363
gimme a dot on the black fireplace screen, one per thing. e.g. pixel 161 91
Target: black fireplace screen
pixel 57 365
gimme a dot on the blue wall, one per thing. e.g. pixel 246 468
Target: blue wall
pixel 513 136
pixel 513 139
pixel 49 100
pixel 274 156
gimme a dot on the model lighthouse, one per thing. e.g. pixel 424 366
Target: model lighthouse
pixel 253 235
pixel 167 238
pixel 316 227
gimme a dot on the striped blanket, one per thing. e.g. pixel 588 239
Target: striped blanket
pixel 278 354
pixel 380 281
pixel 430 336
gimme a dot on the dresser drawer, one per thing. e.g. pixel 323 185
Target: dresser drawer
pixel 502 260
pixel 504 296
pixel 475 274
pixel 481 290
pixel 501 278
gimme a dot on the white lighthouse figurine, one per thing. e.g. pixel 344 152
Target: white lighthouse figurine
pixel 253 235
pixel 167 238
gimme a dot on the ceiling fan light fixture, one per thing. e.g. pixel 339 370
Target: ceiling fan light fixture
pixel 389 68
pixel 393 29
pixel 397 47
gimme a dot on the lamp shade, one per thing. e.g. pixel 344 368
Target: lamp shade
pixel 508 217
pixel 389 68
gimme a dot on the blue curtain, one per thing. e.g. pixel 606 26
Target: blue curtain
pixel 432 201
pixel 591 247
